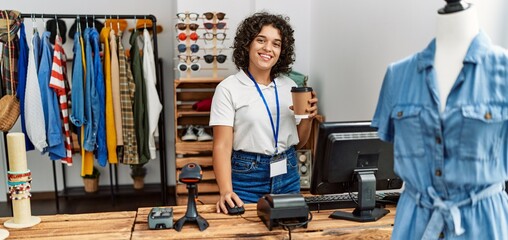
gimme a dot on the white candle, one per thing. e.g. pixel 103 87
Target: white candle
pixel 17 163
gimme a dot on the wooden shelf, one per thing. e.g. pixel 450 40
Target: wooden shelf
pixel 202 161
pixel 193 147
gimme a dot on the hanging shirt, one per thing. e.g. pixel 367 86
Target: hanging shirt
pixel 453 164
pixel 9 58
pixel 22 75
pixel 140 114
pixel 91 96
pixel 77 116
pixel 110 115
pixel 102 151
pixel 127 88
pixel 57 83
pixel 34 115
pixel 86 156
pixel 50 104
pixel 115 88
pixel 153 106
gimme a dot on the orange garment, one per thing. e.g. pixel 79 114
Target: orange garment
pixel 110 115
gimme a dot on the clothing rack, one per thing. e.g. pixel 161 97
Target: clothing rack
pixel 160 90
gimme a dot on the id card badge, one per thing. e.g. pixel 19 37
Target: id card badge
pixel 278 165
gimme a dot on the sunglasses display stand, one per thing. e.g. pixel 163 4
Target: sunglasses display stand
pixel 191 87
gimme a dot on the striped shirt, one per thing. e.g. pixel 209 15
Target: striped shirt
pixel 57 83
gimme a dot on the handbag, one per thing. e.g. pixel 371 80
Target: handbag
pixel 9 104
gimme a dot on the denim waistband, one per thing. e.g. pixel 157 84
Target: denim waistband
pixel 262 158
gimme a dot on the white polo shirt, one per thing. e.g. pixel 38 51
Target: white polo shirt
pixel 237 103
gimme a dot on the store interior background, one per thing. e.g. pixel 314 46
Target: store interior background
pixel 343 46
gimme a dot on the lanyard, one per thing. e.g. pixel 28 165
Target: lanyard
pixel 275 130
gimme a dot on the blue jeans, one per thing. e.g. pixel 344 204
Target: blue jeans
pixel 251 175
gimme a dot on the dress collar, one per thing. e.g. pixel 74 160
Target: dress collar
pixel 477 49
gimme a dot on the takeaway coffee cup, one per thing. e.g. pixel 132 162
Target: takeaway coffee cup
pixel 301 97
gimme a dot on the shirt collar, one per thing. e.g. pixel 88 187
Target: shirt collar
pixel 478 47
pixel 245 79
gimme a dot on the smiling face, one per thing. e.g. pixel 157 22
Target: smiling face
pixel 264 50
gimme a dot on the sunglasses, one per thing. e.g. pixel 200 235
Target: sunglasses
pixel 192 58
pixel 221 58
pixel 210 36
pixel 194 48
pixel 220 25
pixel 219 15
pixel 184 67
pixel 182 36
pixel 191 16
pixel 183 26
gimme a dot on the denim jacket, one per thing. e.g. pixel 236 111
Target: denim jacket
pixel 102 151
pixel 77 115
pixel 91 97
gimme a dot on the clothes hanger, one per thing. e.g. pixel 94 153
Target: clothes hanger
pixel 453 6
pixel 34 24
pixel 57 29
pixel 78 24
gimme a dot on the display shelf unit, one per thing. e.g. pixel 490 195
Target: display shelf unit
pixel 187 92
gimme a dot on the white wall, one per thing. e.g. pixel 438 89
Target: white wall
pixel 354 41
pixel 344 46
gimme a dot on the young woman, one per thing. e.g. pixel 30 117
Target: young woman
pixel 255 130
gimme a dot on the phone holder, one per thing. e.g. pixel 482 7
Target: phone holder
pixel 191 174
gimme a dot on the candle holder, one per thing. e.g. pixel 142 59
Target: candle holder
pixel 19 181
pixel 4 234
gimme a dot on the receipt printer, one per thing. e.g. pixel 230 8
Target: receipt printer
pixel 278 208
pixel 160 218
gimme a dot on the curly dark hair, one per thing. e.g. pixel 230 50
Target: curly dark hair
pixel 250 28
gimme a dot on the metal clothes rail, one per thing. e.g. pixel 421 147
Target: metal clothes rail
pixel 160 90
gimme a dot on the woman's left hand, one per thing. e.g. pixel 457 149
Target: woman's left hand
pixel 313 109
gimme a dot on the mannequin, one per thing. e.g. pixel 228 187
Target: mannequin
pixel 454 33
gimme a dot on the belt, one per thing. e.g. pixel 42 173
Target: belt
pixel 446 211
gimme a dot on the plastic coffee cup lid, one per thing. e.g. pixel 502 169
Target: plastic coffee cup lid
pixel 301 89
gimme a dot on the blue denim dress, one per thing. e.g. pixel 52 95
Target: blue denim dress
pixel 453 163
pixel 251 175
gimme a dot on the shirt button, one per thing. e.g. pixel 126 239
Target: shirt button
pixel 438 140
pixel 400 114
pixel 488 116
pixel 438 173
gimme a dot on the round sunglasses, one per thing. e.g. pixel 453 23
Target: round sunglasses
pixel 210 15
pixel 210 36
pixel 219 25
pixel 182 36
pixel 221 58
pixel 194 48
pixel 183 26
pixel 193 66
pixel 191 58
pixel 191 16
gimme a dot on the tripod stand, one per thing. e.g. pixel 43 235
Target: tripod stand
pixel 191 215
